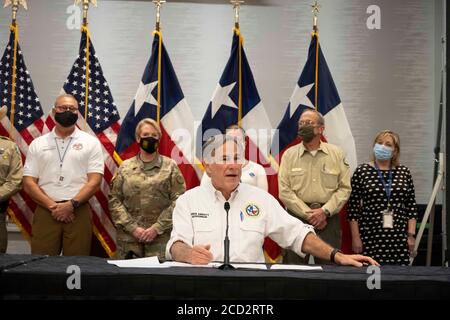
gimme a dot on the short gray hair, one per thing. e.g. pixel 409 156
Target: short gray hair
pixel 66 95
pixel 214 142
pixel 320 118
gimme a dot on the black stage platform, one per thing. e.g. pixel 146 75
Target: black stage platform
pixel 42 277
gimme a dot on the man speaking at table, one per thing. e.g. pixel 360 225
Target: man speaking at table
pixel 202 216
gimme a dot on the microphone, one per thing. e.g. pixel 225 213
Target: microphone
pixel 226 244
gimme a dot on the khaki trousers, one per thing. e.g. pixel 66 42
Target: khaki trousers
pixel 51 236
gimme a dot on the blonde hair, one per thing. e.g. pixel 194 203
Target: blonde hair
pixel 150 122
pixel 395 137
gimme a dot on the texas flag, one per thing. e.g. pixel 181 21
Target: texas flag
pixel 236 101
pixel 159 96
pixel 315 89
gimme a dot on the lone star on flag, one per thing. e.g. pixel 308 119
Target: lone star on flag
pixel 299 97
pixel 221 97
pixel 144 94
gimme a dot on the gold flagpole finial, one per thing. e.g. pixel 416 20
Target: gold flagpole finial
pixel 315 10
pixel 236 6
pixel 158 4
pixel 15 6
pixel 85 8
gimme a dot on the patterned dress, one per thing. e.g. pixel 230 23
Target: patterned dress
pixel 368 199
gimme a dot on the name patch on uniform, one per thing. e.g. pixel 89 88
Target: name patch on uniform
pixel 252 210
pixel 199 215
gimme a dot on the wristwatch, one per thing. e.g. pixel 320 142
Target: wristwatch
pixel 327 212
pixel 333 254
pixel 75 204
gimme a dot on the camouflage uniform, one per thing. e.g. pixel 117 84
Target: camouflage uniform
pixel 11 172
pixel 143 195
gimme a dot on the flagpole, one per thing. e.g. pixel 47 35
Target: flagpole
pixel 84 28
pixel 237 6
pixel 315 11
pixel 14 28
pixel 158 4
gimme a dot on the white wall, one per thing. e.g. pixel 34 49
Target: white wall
pixel 387 78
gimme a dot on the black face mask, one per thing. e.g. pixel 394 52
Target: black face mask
pixel 66 118
pixel 149 144
pixel 306 133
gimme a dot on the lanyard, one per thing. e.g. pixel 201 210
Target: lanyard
pixel 61 159
pixel 388 187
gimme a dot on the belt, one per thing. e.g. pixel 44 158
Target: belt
pixel 314 205
pixel 62 201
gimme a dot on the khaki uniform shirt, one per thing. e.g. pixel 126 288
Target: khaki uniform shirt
pixel 11 170
pixel 304 179
pixel 144 194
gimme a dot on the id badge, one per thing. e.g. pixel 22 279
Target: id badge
pixel 388 219
pixel 60 180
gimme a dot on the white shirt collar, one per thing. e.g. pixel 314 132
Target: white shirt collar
pixel 216 194
pixel 75 134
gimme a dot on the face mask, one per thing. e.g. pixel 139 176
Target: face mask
pixel 149 144
pixel 382 152
pixel 306 133
pixel 66 118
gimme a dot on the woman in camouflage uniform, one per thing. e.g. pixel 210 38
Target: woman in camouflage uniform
pixel 143 195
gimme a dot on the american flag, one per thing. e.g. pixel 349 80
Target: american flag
pixel 101 121
pixel 28 120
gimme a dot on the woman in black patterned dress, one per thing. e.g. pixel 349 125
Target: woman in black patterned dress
pixel 382 206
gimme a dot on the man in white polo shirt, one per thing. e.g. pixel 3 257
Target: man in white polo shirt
pixel 200 220
pixel 62 171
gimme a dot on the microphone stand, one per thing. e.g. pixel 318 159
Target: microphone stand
pixel 226 244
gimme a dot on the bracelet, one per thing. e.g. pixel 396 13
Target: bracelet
pixel 412 235
pixel 333 254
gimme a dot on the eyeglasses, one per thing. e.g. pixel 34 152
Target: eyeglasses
pixel 64 108
pixel 306 123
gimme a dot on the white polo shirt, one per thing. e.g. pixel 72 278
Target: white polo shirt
pixel 80 153
pixel 199 218
pixel 253 173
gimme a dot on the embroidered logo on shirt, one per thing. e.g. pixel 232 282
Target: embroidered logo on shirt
pixel 251 174
pixel 252 210
pixel 77 146
pixel 199 215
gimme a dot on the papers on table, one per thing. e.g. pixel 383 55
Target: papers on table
pixel 294 267
pixel 153 262
pixel 150 262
